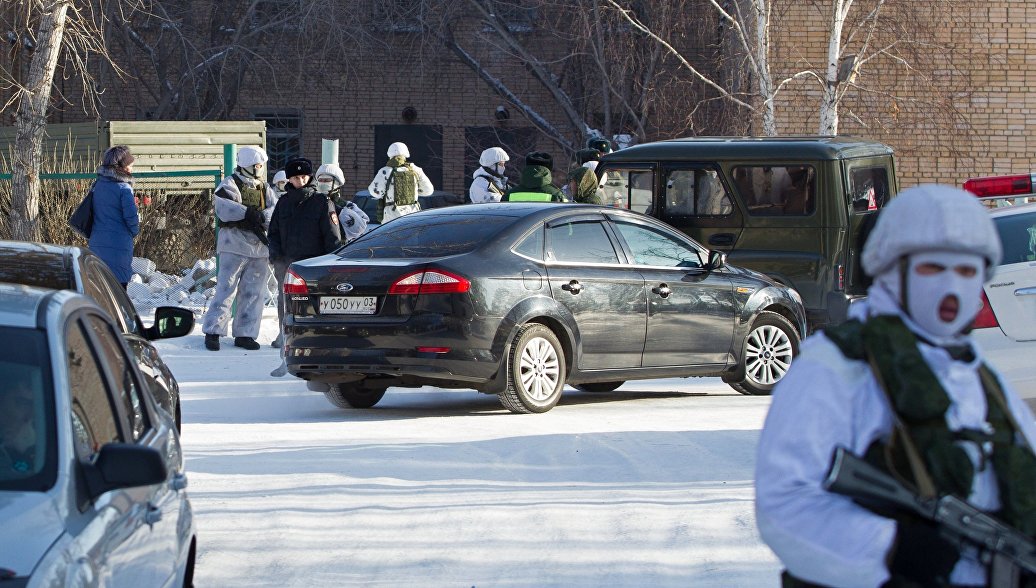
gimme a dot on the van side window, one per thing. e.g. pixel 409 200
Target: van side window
pixel 628 188
pixel 696 192
pixel 778 190
pixel 869 188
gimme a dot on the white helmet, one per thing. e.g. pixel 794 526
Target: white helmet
pixel 279 177
pixel 331 169
pixel 248 156
pixel 492 156
pixel 931 217
pixel 398 149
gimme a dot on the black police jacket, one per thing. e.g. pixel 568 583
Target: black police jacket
pixel 304 224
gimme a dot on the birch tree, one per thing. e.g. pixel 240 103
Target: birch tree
pixel 31 122
pixel 63 34
pixel 751 23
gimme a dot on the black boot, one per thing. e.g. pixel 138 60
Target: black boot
pixel 278 342
pixel 246 343
pixel 212 342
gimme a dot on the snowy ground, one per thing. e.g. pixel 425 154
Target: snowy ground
pixel 650 485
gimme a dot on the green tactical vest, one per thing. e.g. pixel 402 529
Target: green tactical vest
pixel 921 403
pixel 252 196
pixel 529 197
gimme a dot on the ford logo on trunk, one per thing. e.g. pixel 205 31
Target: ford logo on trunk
pixel 344 287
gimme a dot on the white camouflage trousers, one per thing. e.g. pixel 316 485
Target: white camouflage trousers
pixel 249 277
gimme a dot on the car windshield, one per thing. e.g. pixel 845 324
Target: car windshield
pixel 28 454
pixel 435 236
pixel 1018 236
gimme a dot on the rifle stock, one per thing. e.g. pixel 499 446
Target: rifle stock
pixel 853 477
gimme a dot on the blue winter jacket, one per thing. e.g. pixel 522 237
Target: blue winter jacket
pixel 115 224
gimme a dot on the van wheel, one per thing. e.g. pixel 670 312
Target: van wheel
pixel 598 386
pixel 769 348
pixel 353 396
pixel 535 371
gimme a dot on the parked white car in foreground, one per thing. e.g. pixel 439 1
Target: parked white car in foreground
pixel 1006 327
pixel 92 488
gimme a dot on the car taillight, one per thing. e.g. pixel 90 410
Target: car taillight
pixel 1000 185
pixel 841 277
pixel 293 284
pixel 986 318
pixel 430 282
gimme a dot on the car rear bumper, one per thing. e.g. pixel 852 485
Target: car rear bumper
pixel 341 352
pixel 1012 359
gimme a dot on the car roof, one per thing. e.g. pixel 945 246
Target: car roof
pixel 769 148
pixel 20 304
pixel 1012 210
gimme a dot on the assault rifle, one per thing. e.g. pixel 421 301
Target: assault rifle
pixel 957 520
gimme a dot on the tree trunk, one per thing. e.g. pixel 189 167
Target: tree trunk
pixel 830 99
pixel 31 123
pixel 761 12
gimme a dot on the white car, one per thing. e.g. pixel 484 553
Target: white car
pixel 92 487
pixel 1006 327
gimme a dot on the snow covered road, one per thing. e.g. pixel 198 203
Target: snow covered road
pixel 650 485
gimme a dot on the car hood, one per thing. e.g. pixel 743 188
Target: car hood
pixel 29 525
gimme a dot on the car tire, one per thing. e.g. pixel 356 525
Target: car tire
pixel 771 345
pixel 535 371
pixel 598 386
pixel 352 396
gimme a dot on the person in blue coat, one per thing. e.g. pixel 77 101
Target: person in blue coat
pixel 116 221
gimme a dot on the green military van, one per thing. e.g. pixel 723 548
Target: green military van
pixel 789 207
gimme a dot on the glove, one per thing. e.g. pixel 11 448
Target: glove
pixel 254 216
pixel 921 554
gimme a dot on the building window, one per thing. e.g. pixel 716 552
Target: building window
pixel 399 16
pixel 275 15
pixel 283 136
pixel 518 18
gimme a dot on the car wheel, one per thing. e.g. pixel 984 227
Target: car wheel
pixel 769 348
pixel 598 386
pixel 352 396
pixel 535 371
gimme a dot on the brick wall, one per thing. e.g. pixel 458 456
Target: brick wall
pixel 964 111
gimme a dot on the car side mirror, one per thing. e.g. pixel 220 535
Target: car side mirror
pixel 170 321
pixel 123 465
pixel 717 259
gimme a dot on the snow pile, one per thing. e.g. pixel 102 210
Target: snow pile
pixel 193 288
pixel 149 288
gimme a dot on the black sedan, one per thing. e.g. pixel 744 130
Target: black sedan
pixel 517 299
pixel 62 267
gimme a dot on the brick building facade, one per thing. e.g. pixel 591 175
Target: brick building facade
pixel 421 93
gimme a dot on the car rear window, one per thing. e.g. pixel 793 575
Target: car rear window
pixel 1018 236
pixel 31 268
pixel 869 188
pixel 426 236
pixel 28 453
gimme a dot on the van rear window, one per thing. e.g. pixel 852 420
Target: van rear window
pixel 777 190
pixel 868 188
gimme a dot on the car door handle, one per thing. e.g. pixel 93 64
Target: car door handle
pixel 721 239
pixel 179 482
pixel 153 515
pixel 1025 292
pixel 662 290
pixel 574 287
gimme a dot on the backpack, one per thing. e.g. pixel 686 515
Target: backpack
pixel 404 178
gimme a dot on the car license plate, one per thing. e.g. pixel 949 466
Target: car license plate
pixel 348 304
